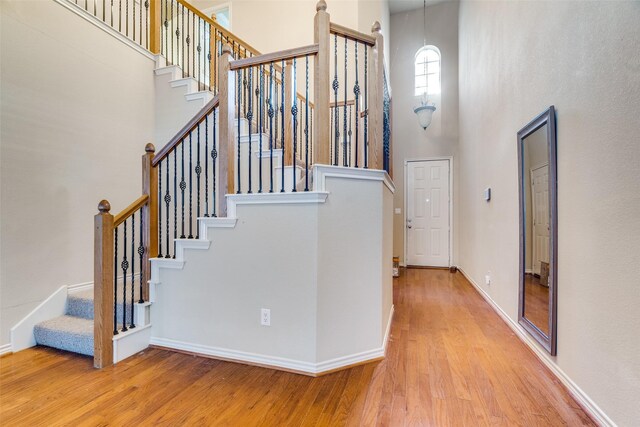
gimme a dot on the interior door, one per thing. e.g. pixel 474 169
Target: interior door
pixel 427 219
pixel 540 209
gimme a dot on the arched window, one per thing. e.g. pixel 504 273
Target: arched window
pixel 427 71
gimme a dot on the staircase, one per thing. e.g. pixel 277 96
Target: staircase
pixel 242 130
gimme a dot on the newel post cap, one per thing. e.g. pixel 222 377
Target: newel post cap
pixel 376 27
pixel 104 206
pixel 321 5
pixel 149 148
pixel 227 49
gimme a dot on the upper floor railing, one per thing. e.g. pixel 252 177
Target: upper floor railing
pixel 273 117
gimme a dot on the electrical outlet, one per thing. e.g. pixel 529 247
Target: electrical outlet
pixel 265 317
pixel 487 279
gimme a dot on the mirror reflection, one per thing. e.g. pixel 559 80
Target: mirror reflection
pixel 537 219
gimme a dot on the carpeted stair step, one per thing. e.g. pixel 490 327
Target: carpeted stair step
pixel 80 304
pixel 68 333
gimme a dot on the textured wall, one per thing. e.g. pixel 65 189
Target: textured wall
pixel 516 59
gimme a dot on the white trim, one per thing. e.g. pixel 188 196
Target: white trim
pixel 128 343
pixel 322 172
pixel 174 71
pixel 404 225
pixel 204 223
pixel 80 287
pixel 302 197
pixel 574 390
pixel 190 83
pixel 203 96
pixel 54 306
pixel 106 28
pixel 5 349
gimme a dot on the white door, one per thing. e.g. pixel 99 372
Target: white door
pixel 427 218
pixel 540 209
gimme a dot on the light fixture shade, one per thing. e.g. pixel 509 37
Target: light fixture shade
pixel 425 114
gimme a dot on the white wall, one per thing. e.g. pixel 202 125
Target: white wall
pixel 516 59
pixel 77 109
pixel 409 140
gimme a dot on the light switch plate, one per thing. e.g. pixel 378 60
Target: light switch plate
pixel 487 194
pixel 398 211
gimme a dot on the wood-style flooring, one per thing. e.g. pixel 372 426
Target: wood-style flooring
pixel 451 361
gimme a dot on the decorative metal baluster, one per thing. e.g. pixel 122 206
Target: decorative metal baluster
pixel 306 129
pixel 344 118
pixel 190 188
pixel 183 186
pixel 311 144
pixel 349 134
pixel 167 201
pixel 250 119
pixel 133 20
pixel 261 114
pixel 172 58
pixel 198 172
pixel 160 210
pixel 177 33
pixel 294 112
pixel 133 267
pixel 244 99
pixel 104 11
pixel 146 24
pixel 111 10
pixel 331 132
pixel 356 94
pixel 282 127
pixel 214 156
pixel 270 113
pixel 141 256
pixel 238 98
pixel 166 30
pixel 125 267
pixel 120 18
pixel 199 49
pixel 175 200
pixel 115 281
pixel 206 166
pixel 336 85
pixel 188 42
pixel 126 7
pixel 208 61
pixel 366 109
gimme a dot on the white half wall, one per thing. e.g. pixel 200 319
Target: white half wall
pixel 516 59
pixel 77 108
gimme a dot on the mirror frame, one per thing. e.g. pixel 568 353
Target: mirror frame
pixel 548 341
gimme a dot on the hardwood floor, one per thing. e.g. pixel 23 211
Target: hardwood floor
pixel 536 306
pixel 451 361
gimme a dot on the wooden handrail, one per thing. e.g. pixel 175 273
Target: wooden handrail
pixel 267 58
pixel 352 34
pixel 342 103
pixel 192 124
pixel 220 28
pixel 133 207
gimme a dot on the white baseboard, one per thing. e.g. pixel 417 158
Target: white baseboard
pixel 576 392
pixel 22 333
pixel 279 362
pixel 6 349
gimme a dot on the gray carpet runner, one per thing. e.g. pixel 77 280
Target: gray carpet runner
pixel 74 331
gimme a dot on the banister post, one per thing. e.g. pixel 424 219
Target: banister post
pixel 321 88
pixel 376 100
pixel 227 97
pixel 289 94
pixel 103 276
pixel 149 216
pixel 155 25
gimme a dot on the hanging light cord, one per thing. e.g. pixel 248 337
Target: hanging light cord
pixel 424 21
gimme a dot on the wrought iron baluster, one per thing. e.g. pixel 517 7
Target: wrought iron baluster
pixel 111 10
pixel 183 186
pixel 175 199
pixel 238 98
pixel 199 50
pixel 356 94
pixel 188 43
pixel 249 119
pixel 294 112
pixel 206 166
pixel 336 85
pixel 306 129
pixel 120 15
pixel 214 156
pixel 146 24
pixel 167 201
pixel 172 58
pixel 141 250
pixel 133 20
pixel 261 114
pixel 126 8
pixel 244 99
pixel 125 267
pixel 349 134
pixel 160 210
pixel 166 29
pixel 178 41
pixel 344 118
pixel 190 187
pixel 270 113
pixel 282 127
pixel 198 172
pixel 366 109
pixel 115 281
pixel 133 267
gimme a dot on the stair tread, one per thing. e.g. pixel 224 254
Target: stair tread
pixel 68 333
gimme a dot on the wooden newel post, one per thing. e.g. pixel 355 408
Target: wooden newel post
pixel 103 287
pixel 321 88
pixel 289 96
pixel 376 100
pixel 155 25
pixel 227 97
pixel 149 215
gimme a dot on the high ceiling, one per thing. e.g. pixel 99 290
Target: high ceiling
pixel 396 6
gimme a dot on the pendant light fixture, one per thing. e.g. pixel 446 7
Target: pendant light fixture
pixel 425 110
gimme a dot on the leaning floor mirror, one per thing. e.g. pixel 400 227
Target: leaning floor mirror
pixel 537 171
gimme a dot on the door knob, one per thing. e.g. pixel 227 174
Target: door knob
pixel 408 226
